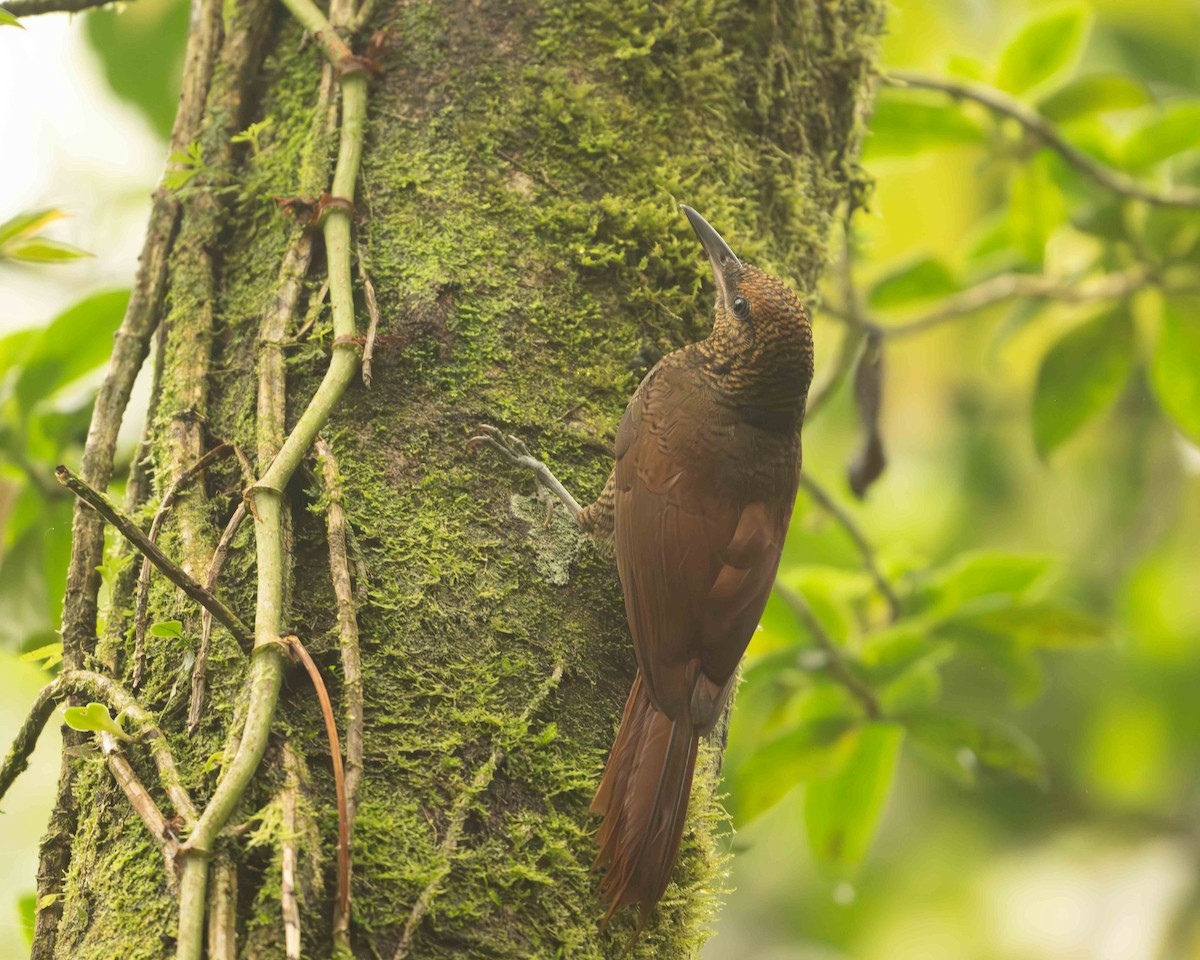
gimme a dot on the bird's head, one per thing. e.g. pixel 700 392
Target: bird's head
pixel 760 324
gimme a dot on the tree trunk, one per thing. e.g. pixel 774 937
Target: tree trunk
pixel 517 215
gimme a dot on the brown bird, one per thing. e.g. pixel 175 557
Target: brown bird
pixel 696 510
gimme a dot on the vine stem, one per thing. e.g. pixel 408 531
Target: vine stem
pixel 1047 132
pixel 266 668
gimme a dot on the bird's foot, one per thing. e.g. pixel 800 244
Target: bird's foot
pixel 514 450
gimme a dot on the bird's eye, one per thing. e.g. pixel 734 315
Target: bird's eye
pixel 741 307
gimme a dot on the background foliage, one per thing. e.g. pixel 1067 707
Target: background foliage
pixel 968 727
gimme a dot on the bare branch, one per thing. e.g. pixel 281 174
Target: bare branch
pixel 289 903
pixel 171 570
pixel 835 662
pixel 373 327
pixel 865 547
pixel 1047 132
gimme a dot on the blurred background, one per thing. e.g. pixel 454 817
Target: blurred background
pixel 1034 793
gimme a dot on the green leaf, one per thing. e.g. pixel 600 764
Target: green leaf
pixel 1036 208
pixel 904 124
pixel 1081 377
pixel 8 20
pixel 27 223
pixel 978 575
pixel 808 751
pixel 1175 131
pixel 94 717
pixel 48 656
pixel 1175 375
pixel 167 628
pixel 842 814
pixel 917 688
pixel 140 49
pixel 41 250
pixel 1044 48
pixel 922 279
pixel 963 744
pixel 1094 94
pixel 75 342
pixel 1046 625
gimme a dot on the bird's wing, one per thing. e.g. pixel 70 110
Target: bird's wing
pixel 696 560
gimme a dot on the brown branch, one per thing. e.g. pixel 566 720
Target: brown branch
pixel 200 668
pixel 143 804
pixel 835 662
pixel 1045 131
pixel 865 547
pixel 34 8
pixel 172 571
pixel 458 817
pixel 1007 286
pixel 143 584
pixel 339 779
pixel 352 683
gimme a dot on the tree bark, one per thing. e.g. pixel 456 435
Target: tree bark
pixel 517 215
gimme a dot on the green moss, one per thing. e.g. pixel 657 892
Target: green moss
pixel 519 202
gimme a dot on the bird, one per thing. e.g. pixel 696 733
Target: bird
pixel 707 465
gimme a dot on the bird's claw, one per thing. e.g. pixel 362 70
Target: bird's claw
pixel 510 447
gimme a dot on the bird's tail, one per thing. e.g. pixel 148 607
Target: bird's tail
pixel 643 798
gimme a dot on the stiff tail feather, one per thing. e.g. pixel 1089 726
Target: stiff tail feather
pixel 643 798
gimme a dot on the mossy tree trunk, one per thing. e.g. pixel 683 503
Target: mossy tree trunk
pixel 517 214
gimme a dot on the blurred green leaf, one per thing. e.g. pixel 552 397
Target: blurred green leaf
pixel 27 223
pixel 172 629
pixel 1046 47
pixel 76 342
pixel 842 813
pixel 1046 625
pixel 140 48
pixel 15 346
pixel 979 574
pixel 917 688
pixel 1080 377
pixel 1176 130
pixel 962 744
pixel 922 279
pixel 808 751
pixel 8 20
pixel 904 124
pixel 887 653
pixel 48 656
pixel 1036 207
pixel 41 250
pixel 1175 375
pixel 1096 93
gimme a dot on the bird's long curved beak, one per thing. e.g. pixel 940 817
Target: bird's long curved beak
pixel 717 249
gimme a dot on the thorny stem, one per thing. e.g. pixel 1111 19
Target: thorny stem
pixel 352 684
pixel 171 570
pixel 835 662
pixel 865 547
pixel 1046 131
pixel 266 669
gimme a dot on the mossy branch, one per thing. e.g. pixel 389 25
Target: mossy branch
pixel 266 669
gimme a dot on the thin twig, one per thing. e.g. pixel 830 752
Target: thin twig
pixel 143 585
pixel 172 571
pixel 339 776
pixel 458 817
pixel 289 903
pixel 352 684
pixel 1047 132
pixel 835 662
pixel 865 547
pixel 373 314
pixel 33 8
pixel 200 668
pixel 139 798
pixel 1007 286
